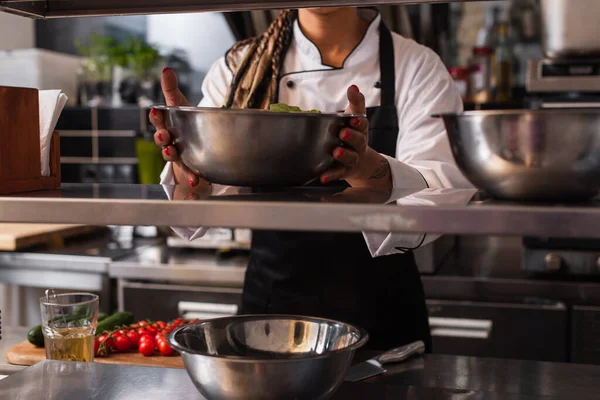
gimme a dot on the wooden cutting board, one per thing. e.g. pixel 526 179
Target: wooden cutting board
pixel 18 236
pixel 27 354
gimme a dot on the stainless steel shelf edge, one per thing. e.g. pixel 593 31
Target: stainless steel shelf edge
pixel 558 221
pixel 91 8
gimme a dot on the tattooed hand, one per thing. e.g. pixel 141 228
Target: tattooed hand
pixel 358 164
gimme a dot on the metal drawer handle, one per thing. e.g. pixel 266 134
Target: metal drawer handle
pixel 210 308
pixel 460 327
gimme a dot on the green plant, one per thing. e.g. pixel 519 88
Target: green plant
pixel 101 53
pixel 143 58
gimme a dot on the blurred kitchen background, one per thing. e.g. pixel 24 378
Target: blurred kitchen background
pixel 110 66
pixel 487 296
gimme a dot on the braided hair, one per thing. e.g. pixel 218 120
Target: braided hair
pixel 256 64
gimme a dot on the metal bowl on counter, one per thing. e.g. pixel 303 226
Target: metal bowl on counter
pixel 255 147
pixel 529 155
pixel 267 357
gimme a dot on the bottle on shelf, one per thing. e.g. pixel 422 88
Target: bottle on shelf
pixel 481 68
pixel 505 63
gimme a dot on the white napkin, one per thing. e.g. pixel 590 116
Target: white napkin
pixel 52 103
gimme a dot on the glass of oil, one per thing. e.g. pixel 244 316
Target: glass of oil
pixel 69 323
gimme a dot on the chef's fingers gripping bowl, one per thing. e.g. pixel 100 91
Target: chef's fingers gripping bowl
pixel 529 155
pixel 267 357
pixel 255 147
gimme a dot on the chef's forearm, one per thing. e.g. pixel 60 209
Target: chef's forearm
pixel 375 175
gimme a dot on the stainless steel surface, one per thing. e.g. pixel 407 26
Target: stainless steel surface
pixel 571 262
pixel 538 83
pixel 488 269
pixel 184 266
pixel 568 28
pixel 267 357
pixel 255 147
pixel 373 367
pixel 433 377
pixel 72 8
pixel 529 154
pixel 148 205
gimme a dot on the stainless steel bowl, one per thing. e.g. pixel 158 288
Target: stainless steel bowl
pixel 255 147
pixel 267 357
pixel 551 155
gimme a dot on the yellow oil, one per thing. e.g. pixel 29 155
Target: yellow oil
pixel 70 344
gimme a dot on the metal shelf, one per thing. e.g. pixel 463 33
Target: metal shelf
pixel 90 8
pixel 304 211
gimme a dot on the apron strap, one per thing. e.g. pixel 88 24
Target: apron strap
pixel 387 66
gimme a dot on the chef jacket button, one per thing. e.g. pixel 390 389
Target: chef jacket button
pixel 290 84
pixel 377 85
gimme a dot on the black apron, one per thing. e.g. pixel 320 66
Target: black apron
pixel 333 275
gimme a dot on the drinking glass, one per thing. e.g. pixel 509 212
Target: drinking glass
pixel 69 323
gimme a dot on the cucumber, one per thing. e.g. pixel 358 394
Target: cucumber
pixel 36 337
pixel 117 319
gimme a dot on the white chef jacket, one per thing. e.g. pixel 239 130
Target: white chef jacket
pixel 423 88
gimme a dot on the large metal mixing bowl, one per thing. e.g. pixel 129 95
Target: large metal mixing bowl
pixel 255 147
pixel 267 357
pixel 549 155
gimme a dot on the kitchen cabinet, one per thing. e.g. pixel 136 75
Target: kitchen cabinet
pixel 516 331
pixel 585 331
pixel 166 302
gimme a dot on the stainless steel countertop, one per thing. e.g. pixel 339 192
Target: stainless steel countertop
pixel 307 210
pixel 181 265
pixel 431 377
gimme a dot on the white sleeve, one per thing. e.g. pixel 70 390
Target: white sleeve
pixel 422 141
pixel 381 244
pixel 423 155
pixel 214 90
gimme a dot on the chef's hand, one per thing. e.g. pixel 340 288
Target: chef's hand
pixel 358 164
pixel 162 138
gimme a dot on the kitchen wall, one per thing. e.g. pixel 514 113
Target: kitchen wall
pixel 16 32
pixel 204 37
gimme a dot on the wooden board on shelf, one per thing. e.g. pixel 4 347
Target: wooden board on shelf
pixel 27 354
pixel 18 236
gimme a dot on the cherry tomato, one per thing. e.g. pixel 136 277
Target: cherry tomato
pixel 117 334
pixel 146 348
pixel 146 338
pixel 96 346
pixel 109 342
pixel 151 331
pixel 133 338
pixel 122 344
pixel 160 336
pixel 142 331
pixel 143 323
pixel 135 326
pixel 161 324
pixel 165 349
